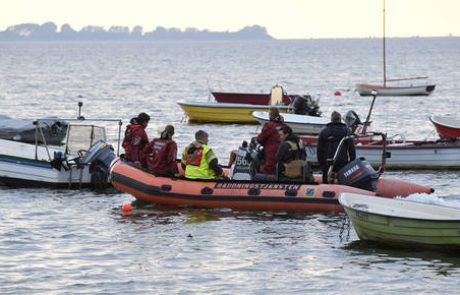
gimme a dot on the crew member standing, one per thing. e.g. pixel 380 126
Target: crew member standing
pixel 269 138
pixel 328 142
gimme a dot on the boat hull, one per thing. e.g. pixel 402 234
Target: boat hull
pixel 367 89
pixel 434 229
pixel 241 195
pixel 223 112
pixel 409 155
pixel 446 127
pixel 22 172
pixel 247 98
pixel 30 165
pixel 300 124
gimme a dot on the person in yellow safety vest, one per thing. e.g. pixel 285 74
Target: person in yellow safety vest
pixel 198 159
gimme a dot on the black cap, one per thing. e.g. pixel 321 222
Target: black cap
pixel 143 118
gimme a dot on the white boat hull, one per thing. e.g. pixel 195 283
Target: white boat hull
pixel 28 165
pixel 24 172
pixel 421 90
pixel 300 124
pixel 408 155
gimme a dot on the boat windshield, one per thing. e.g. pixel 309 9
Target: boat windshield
pixel 82 137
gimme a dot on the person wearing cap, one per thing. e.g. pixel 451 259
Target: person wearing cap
pixel 135 137
pixel 199 161
pixel 328 142
pixel 160 154
pixel 270 139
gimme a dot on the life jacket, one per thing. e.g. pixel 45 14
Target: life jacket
pixel 196 160
pixel 161 158
pixel 134 141
pixel 293 168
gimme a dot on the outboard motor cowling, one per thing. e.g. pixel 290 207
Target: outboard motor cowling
pixel 99 157
pixel 305 105
pixel 299 105
pixel 360 174
pixel 240 170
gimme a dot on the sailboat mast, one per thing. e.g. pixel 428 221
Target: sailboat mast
pixel 384 50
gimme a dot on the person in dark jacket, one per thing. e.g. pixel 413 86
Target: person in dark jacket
pixel 160 154
pixel 270 140
pixel 291 155
pixel 135 137
pixel 328 142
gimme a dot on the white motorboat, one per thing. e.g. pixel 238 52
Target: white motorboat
pixel 402 154
pixel 300 124
pixel 81 159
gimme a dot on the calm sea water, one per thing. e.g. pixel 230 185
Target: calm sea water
pixel 66 242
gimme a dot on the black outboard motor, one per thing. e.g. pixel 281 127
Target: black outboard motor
pixel 360 174
pixel 99 157
pixel 304 105
pixel 299 105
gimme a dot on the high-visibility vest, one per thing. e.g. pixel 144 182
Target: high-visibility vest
pixel 198 167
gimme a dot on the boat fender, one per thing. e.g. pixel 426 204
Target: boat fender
pixel 254 191
pixel 328 194
pixel 166 187
pixel 291 192
pixel 207 191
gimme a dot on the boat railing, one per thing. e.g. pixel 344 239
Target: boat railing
pixel 381 169
pixel 40 139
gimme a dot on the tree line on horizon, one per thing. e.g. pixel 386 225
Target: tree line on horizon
pixel 49 32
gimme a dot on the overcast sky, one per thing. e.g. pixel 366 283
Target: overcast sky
pixel 284 19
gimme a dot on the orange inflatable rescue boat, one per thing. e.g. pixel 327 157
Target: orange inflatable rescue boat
pixel 248 194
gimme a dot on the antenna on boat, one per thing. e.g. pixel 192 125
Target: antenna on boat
pixel 80 117
pixel 368 118
pixel 384 50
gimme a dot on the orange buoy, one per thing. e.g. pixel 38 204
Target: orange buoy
pixel 126 208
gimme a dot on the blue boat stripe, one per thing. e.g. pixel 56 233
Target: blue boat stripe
pixel 24 163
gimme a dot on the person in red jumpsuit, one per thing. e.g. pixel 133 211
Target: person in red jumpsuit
pixel 160 154
pixel 135 137
pixel 269 138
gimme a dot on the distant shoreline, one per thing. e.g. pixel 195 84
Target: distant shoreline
pixel 49 32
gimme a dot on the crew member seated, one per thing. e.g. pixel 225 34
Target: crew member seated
pixel 198 159
pixel 160 154
pixel 135 137
pixel 291 156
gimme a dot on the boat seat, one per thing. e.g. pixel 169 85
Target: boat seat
pixel 276 95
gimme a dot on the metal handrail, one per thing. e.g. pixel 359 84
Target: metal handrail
pixel 381 169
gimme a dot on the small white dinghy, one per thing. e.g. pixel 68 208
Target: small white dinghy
pixel 300 124
pixel 400 222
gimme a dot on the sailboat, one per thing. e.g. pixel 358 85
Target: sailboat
pixel 385 90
